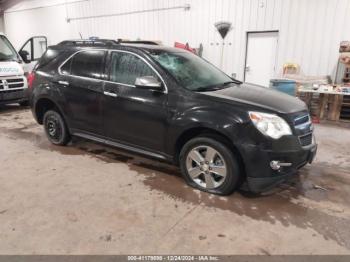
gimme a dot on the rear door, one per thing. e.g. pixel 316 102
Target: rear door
pixel 82 86
pixel 134 115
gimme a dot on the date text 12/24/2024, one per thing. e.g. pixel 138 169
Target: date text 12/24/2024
pixel 173 258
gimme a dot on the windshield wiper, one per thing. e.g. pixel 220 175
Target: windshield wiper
pixel 236 81
pixel 215 87
pixel 207 88
pixel 227 83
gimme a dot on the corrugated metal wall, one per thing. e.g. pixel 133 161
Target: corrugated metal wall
pixel 309 30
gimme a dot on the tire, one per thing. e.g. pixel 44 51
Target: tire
pixel 55 128
pixel 24 103
pixel 220 168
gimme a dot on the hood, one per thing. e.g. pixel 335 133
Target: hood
pixel 10 69
pixel 260 97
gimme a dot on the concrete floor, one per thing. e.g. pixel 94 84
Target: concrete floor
pixel 91 199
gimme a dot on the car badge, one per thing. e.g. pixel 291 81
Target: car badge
pixel 5 84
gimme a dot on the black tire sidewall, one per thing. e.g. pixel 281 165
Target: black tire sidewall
pixel 64 138
pixel 233 171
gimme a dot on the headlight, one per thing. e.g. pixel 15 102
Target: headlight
pixel 270 125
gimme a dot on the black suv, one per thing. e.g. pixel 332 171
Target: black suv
pixel 172 105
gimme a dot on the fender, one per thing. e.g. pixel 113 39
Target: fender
pixel 205 117
pixel 45 90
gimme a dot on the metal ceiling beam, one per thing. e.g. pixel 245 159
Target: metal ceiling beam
pixel 6 4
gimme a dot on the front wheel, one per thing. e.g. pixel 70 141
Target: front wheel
pixel 55 128
pixel 210 166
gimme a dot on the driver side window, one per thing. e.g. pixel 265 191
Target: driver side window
pixel 125 68
pixel 34 48
pixel 28 48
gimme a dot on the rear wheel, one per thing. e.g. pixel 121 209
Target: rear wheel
pixel 210 166
pixel 55 128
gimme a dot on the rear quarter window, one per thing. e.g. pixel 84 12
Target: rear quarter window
pixel 50 56
pixel 65 68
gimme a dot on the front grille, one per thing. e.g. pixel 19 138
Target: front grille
pixel 14 80
pixel 16 85
pixel 7 84
pixel 306 140
pixel 301 120
pixel 302 127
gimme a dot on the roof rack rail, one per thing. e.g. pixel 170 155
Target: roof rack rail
pixel 141 42
pixel 80 42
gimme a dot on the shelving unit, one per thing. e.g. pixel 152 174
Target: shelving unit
pixel 344 112
pixel 345 109
pixel 346 78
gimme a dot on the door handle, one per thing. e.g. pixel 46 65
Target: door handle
pixel 106 93
pixel 64 83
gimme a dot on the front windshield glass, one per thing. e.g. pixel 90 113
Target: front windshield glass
pixel 191 71
pixel 7 52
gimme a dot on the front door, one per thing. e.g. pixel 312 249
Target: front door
pixel 132 115
pixel 261 57
pixel 32 50
pixel 82 86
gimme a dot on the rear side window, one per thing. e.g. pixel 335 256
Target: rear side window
pixel 125 68
pixel 85 64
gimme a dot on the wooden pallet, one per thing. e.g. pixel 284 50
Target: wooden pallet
pixel 327 106
pixel 312 101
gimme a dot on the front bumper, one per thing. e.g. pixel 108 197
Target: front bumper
pixel 261 177
pixel 15 96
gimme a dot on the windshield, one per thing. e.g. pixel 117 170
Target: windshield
pixel 7 52
pixel 191 71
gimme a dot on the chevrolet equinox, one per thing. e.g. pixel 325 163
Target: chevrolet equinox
pixel 172 105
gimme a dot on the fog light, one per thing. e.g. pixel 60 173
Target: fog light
pixel 276 165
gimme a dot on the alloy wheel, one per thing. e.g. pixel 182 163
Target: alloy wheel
pixel 206 167
pixel 53 128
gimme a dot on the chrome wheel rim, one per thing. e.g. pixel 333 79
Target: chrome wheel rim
pixel 206 167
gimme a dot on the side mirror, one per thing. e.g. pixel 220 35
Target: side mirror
pixel 148 82
pixel 24 55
